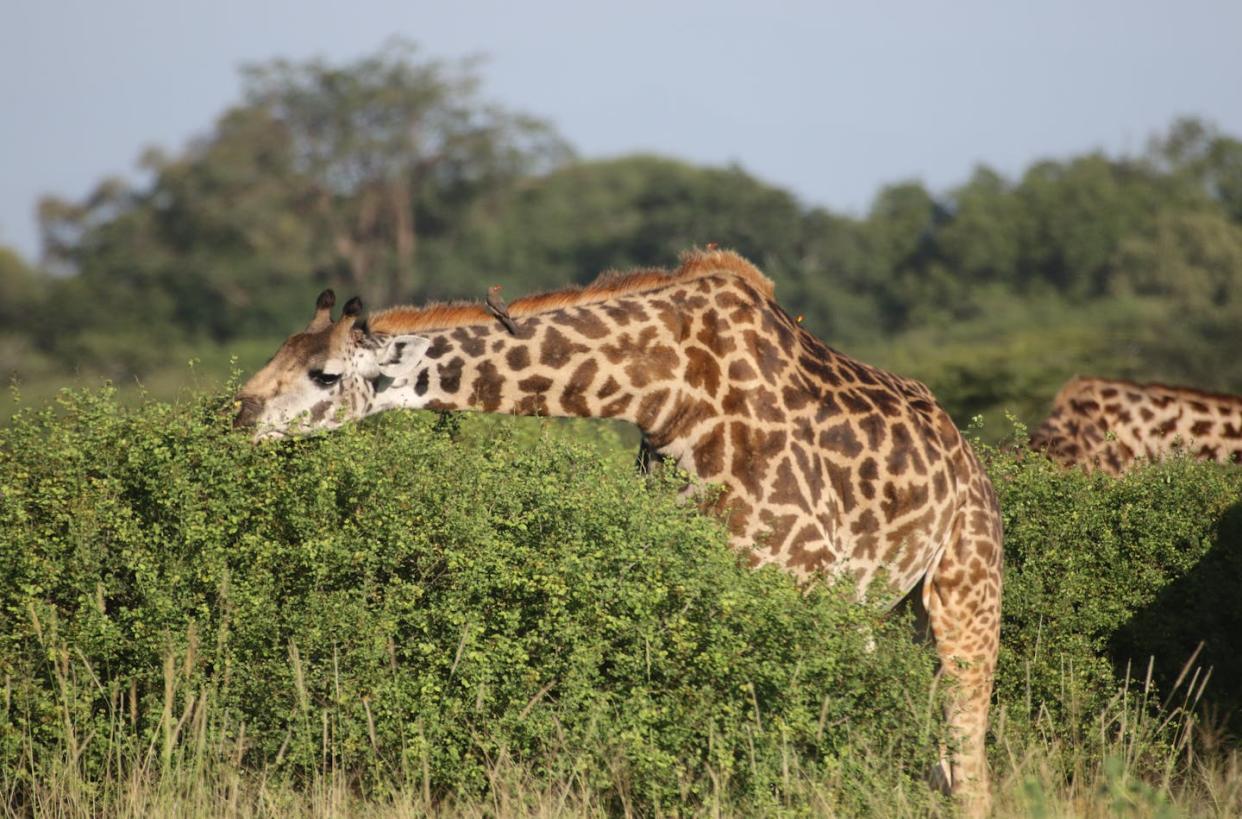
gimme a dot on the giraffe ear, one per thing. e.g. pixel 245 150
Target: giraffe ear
pixel 400 355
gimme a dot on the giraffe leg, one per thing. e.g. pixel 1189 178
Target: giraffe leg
pixel 962 599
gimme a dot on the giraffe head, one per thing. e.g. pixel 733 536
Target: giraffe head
pixel 325 375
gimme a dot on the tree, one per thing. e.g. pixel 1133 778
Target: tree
pixel 389 145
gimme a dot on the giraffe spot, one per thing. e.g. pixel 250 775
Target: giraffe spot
pixel 471 343
pixel 885 401
pixel 534 400
pixel 1201 428
pixel 867 542
pixel 616 406
pixel 450 375
pixel 767 408
pixel 804 431
pixel 753 449
pixel 610 386
pixel 812 470
pixel 808 550
pixel 862 373
pixel 498 345
pixel 940 486
pixel 736 516
pixel 1085 406
pixel 1108 392
pixel 645 359
pixel 766 355
pixel 624 311
pixel 438 348
pixel 842 486
pixel 716 338
pixel 557 349
pixel 687 413
pixel 702 370
pixel 903 453
pixel 855 403
pixel 585 323
pixel 900 500
pixel 1199 406
pixel 734 402
pixel 795 398
pixel 1231 431
pixel 840 438
pixel 874 428
pixel 709 453
pixel 1208 452
pixel 320 409
pixel 649 409
pixel 573 397
pixel 785 488
pixel 518 358
pixel 485 391
pixel 868 474
pixel 420 384
pixel 778 527
pixel 740 370
pixel 819 369
pixel 1165 429
pixel 1146 414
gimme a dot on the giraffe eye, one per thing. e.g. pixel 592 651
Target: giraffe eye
pixel 324 379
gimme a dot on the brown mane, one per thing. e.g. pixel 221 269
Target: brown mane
pixel 695 265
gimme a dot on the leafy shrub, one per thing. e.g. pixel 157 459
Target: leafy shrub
pixel 1104 576
pixel 393 603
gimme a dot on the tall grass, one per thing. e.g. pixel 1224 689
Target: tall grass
pixel 1151 757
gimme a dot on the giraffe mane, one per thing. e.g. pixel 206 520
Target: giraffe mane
pixel 697 264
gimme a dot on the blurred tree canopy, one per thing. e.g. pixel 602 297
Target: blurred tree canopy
pixel 393 178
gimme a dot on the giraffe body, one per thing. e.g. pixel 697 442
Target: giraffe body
pixel 1111 424
pixel 828 466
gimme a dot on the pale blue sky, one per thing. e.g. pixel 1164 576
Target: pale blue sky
pixel 830 100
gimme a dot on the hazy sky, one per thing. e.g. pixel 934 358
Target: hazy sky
pixel 830 100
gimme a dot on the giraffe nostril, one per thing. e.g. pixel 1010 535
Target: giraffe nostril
pixel 247 412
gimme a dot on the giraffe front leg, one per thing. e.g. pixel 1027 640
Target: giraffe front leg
pixel 963 608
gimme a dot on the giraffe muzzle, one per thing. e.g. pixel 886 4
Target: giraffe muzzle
pixel 248 410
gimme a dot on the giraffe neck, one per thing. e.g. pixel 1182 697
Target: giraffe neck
pixel 622 359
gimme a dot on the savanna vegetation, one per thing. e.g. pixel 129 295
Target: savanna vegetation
pixel 487 616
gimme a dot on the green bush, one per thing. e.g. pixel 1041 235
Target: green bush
pixel 407 604
pixel 1105 576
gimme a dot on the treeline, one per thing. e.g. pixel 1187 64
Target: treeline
pixel 391 177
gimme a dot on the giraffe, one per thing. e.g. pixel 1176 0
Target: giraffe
pixel 827 465
pixel 1110 424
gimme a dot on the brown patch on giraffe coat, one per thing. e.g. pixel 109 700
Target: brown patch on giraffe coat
pixel 1202 427
pixel 779 527
pixel 585 323
pixel 646 360
pixel 470 343
pixel 740 370
pixel 557 349
pixel 518 358
pixel 702 370
pixel 688 412
pixel 868 475
pixel 438 347
pixel 785 489
pixel 485 391
pixel 610 386
pixel 753 450
pixel 709 452
pixel 808 550
pixel 450 374
pixel 900 500
pixel 766 355
pixel 649 409
pixel 573 397
pixel 616 406
pixel 840 438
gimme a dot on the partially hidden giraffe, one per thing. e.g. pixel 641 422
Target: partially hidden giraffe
pixel 1110 425
pixel 827 465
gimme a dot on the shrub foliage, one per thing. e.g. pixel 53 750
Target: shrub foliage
pixel 393 601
